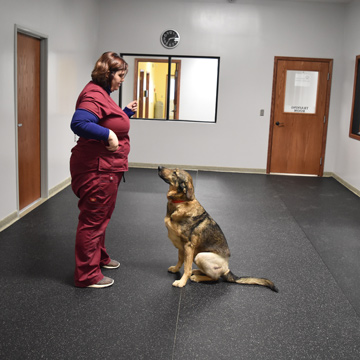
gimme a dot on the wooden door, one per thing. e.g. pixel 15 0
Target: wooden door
pixel 28 109
pixel 299 115
pixel 147 93
pixel 141 95
pixel 144 92
pixel 176 91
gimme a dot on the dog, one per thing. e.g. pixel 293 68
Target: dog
pixel 197 236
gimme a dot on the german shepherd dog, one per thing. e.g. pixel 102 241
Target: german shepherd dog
pixel 197 236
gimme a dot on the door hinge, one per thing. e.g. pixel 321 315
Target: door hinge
pixel 328 76
pixel 320 161
pixel 324 119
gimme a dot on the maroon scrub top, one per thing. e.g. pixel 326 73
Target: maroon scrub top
pixel 90 155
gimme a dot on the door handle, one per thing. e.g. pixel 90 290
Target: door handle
pixel 19 125
pixel 279 124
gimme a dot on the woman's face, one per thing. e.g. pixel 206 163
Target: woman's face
pixel 117 80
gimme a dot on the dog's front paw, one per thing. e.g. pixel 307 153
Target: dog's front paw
pixel 173 269
pixel 178 283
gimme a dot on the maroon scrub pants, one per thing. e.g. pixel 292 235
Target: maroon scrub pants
pixel 97 192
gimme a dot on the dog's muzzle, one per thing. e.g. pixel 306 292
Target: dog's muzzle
pixel 160 173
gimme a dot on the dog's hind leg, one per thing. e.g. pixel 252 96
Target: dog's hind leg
pixel 199 276
pixel 210 264
pixel 197 272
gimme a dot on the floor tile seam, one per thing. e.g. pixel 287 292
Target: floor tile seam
pixel 327 267
pixel 318 253
pixel 176 325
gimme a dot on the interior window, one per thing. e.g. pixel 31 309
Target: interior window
pixel 189 93
pixel 301 91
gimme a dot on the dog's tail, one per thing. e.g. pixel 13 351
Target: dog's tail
pixel 230 277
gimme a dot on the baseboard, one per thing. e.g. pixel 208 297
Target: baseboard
pixel 346 184
pixel 9 220
pixel 16 215
pixel 56 189
pixel 197 167
pixel 239 170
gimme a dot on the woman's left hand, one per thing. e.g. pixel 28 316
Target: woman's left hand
pixel 133 106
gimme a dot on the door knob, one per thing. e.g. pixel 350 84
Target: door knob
pixel 279 124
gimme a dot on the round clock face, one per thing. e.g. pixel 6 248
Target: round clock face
pixel 170 39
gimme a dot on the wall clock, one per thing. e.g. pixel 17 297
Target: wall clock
pixel 170 39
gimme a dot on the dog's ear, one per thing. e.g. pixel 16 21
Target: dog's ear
pixel 187 188
pixel 190 190
pixel 182 186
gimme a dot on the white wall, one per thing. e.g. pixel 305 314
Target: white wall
pixel 72 28
pixel 246 34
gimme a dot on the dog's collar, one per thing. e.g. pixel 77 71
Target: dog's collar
pixel 177 201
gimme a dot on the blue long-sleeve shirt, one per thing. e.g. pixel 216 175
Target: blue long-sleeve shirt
pixel 85 124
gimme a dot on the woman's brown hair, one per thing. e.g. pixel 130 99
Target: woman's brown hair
pixel 105 68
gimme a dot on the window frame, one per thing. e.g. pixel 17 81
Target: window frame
pixel 354 131
pixel 169 59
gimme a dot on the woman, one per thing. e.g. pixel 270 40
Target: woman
pixel 97 164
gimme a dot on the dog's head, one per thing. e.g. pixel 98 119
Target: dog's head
pixel 180 181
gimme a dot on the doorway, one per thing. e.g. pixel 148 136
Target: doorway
pixel 31 109
pixel 151 88
pixel 299 115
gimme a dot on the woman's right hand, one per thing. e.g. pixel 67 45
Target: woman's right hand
pixel 113 141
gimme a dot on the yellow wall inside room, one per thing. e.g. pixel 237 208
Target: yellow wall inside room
pixel 158 84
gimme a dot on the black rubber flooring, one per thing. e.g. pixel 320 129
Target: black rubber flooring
pixel 302 233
